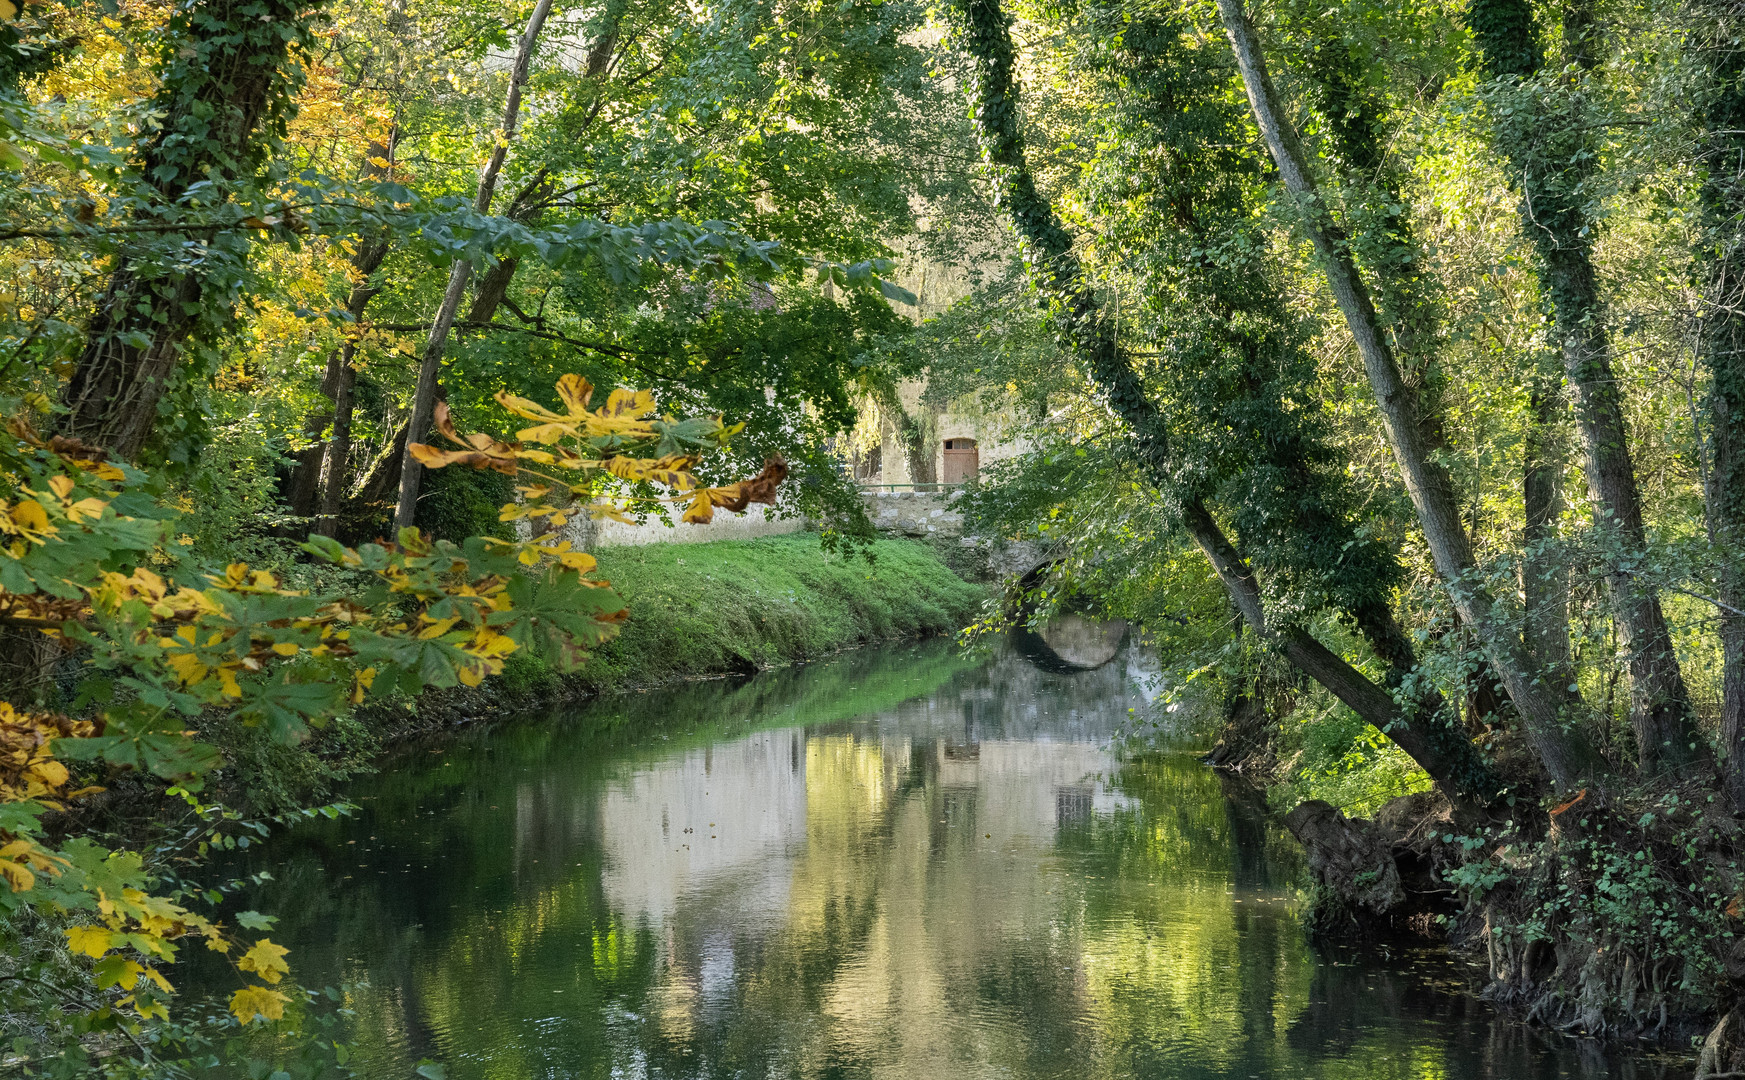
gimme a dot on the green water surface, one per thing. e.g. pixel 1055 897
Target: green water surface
pixel 898 864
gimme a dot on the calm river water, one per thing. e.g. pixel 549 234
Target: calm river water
pixel 899 864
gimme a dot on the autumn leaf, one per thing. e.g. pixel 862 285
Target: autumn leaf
pixel 575 392
pixel 253 1001
pixel 89 940
pixel 266 960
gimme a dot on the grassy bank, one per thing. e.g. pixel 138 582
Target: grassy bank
pixel 733 606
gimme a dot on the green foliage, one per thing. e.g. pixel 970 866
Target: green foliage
pixel 457 503
pixel 1335 756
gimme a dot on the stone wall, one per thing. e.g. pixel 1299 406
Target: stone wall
pixel 588 534
pixel 913 513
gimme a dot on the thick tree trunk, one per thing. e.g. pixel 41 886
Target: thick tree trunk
pixel 1441 750
pixel 226 92
pixel 1538 145
pixel 1660 707
pixel 424 397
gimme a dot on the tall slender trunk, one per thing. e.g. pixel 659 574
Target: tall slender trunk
pixel 1721 259
pixel 341 384
pixel 424 398
pixel 227 90
pixel 1055 271
pixel 1544 567
pixel 1542 705
pixel 1544 143
pixel 316 463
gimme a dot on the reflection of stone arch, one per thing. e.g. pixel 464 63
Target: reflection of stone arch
pixel 1070 641
pixel 962 461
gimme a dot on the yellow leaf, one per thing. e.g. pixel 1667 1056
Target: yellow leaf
pixel 18 876
pixel 187 667
pixel 253 1001
pixel 285 648
pixel 623 402
pixel 546 433
pixel 86 509
pixel 531 410
pixel 361 683
pixel 575 391
pixel 51 774
pixel 579 561
pixel 437 628
pixel 266 960
pixel 32 520
pixel 62 486
pixel 701 511
pixel 90 940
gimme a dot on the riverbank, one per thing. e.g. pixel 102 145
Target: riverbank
pixel 730 607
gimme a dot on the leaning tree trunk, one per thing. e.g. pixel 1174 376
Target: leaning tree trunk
pixel 1549 146
pixel 1542 706
pixel 424 397
pixel 226 93
pixel 1443 752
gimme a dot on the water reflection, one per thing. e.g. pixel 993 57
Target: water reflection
pixel 902 864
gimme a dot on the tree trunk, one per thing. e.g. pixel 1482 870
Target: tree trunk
pixel 226 93
pixel 1721 260
pixel 424 398
pixel 1542 706
pixel 1544 567
pixel 305 493
pixel 1047 251
pixel 1543 144
pixel 341 385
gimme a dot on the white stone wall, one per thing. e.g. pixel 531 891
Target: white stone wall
pixel 756 521
pixel 913 513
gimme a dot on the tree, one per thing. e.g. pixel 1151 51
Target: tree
pixel 1083 329
pixel 226 90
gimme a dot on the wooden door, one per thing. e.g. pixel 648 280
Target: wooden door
pixel 962 461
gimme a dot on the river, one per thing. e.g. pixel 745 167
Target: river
pixel 900 864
